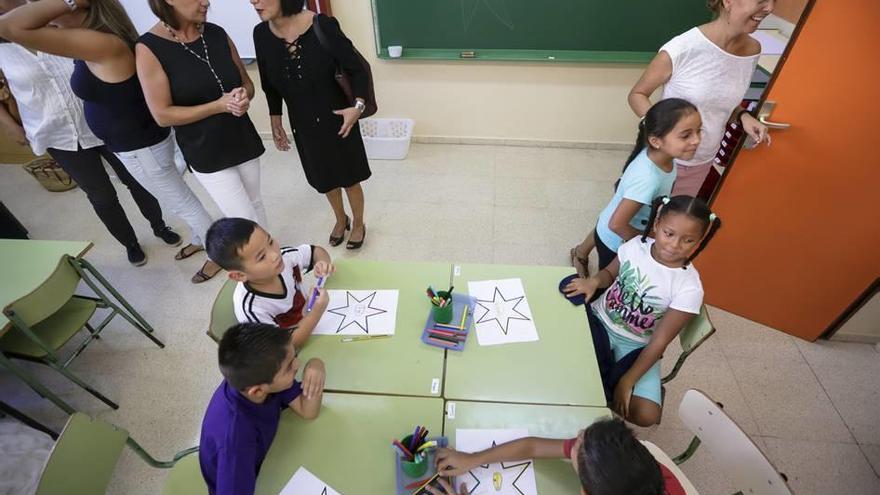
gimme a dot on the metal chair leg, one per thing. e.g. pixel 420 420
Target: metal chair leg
pixel 27 420
pixel 36 386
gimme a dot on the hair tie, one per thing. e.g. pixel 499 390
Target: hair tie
pixel 665 200
pixel 712 217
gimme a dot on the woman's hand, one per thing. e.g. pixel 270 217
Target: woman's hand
pixel 349 115
pixel 755 129
pixel 622 395
pixel 240 102
pixel 585 286
pixel 279 135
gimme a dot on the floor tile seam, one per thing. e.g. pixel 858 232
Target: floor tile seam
pixel 825 391
pixel 752 414
pixel 874 469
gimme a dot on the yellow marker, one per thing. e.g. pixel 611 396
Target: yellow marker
pixel 363 337
pixel 427 445
pixel 496 481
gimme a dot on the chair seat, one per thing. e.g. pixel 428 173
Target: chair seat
pixel 186 478
pixel 54 331
pixel 669 464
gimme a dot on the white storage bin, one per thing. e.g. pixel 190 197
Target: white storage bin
pixel 386 139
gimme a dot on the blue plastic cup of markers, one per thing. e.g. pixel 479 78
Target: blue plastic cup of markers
pixel 444 314
pixel 417 468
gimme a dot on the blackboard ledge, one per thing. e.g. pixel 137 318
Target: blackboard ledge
pixel 550 56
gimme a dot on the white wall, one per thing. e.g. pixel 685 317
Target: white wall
pixel 580 103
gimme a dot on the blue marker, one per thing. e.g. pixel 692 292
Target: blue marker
pixel 315 294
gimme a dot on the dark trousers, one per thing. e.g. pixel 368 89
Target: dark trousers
pixel 610 370
pixel 85 167
pixel 606 255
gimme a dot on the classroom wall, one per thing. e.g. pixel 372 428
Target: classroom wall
pixel 790 10
pixel 579 103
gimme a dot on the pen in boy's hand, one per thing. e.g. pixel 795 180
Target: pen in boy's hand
pixel 314 297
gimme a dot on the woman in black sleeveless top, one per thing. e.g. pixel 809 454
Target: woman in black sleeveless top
pixel 194 81
pixel 104 78
pixel 296 67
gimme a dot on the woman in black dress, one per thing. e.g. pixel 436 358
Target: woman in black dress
pixel 296 67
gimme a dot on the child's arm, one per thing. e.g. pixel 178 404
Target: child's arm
pixel 322 263
pixel 670 326
pixel 453 463
pixel 308 404
pixel 310 320
pixel 588 286
pixel 623 214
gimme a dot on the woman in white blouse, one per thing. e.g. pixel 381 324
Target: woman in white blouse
pixel 710 66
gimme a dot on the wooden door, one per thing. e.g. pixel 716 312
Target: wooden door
pixel 801 233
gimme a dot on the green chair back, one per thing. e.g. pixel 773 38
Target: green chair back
pixel 50 296
pixel 83 459
pixel 696 332
pixel 222 313
pixel 692 336
pixel 185 478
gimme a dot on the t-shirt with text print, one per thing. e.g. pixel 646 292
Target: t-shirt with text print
pixel 644 289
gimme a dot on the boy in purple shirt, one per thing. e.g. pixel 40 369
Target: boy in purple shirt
pixel 259 364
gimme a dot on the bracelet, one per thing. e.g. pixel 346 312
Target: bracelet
pixel 71 4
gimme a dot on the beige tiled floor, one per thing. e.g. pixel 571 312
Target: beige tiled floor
pixel 813 408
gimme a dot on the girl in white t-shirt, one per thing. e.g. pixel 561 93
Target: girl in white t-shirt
pixel 653 292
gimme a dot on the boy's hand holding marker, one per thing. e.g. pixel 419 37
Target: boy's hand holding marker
pixel 324 269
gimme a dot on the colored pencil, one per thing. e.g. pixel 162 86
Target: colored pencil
pixel 414 438
pixel 364 337
pixel 442 343
pixel 403 449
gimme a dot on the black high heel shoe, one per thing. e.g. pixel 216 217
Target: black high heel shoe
pixel 357 244
pixel 335 241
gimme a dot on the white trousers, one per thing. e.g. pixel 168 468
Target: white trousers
pixel 236 190
pixel 154 167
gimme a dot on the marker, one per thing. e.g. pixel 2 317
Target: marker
pixel 314 297
pixel 364 337
pixel 442 343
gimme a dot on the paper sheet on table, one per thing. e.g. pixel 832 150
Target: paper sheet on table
pixel 502 314
pixel 359 312
pixel 516 477
pixel 304 482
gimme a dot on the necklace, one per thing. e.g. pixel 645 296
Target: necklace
pixel 206 59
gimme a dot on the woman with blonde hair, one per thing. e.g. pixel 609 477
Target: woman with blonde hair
pixel 100 37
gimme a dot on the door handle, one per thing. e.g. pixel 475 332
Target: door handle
pixel 772 125
pixel 764 115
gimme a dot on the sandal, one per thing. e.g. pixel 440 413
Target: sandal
pixel 357 244
pixel 581 265
pixel 202 276
pixel 184 254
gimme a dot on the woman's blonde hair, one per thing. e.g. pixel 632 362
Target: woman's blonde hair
pixel 108 16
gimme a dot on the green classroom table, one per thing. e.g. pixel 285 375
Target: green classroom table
pixel 349 445
pixel 559 368
pixel 401 364
pixel 552 476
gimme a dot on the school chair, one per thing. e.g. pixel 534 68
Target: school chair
pixel 85 455
pixel 661 457
pixel 222 313
pixel 745 464
pixel 691 337
pixel 45 320
pixel 185 478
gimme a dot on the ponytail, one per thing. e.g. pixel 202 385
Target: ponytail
pixel 691 206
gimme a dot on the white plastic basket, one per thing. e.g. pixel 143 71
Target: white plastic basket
pixel 386 139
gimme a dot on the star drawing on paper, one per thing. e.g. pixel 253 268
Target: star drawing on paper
pixel 500 308
pixel 484 471
pixel 356 312
pixel 324 491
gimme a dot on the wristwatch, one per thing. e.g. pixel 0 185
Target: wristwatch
pixel 360 105
pixel 71 4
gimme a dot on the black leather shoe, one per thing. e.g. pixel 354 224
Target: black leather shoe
pixel 357 244
pixel 335 241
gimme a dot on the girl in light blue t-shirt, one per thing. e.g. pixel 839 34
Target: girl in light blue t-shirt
pixel 670 130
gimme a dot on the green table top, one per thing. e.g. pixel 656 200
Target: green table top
pixel 401 364
pixel 28 263
pixel 349 445
pixel 559 368
pixel 552 476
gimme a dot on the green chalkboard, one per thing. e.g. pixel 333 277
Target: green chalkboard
pixel 548 30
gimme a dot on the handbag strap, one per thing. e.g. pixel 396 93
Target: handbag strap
pixel 322 38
